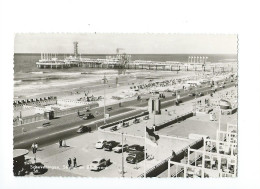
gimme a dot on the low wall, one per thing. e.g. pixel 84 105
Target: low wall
pixel 124 120
pixel 172 121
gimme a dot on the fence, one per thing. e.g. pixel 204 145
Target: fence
pixel 28 119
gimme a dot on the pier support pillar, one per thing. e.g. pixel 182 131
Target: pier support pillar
pixel 149 66
pixel 44 67
pixel 156 67
pixel 135 66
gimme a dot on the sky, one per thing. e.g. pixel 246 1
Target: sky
pixel 106 43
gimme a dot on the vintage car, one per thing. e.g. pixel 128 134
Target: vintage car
pixel 99 164
pixel 119 148
pixel 135 147
pixel 135 157
pixel 89 116
pixel 100 144
pixel 83 129
pixel 110 145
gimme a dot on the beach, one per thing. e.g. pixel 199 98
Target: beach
pixel 68 85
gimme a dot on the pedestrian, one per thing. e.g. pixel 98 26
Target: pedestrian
pixel 60 143
pixel 74 162
pixel 33 148
pixel 36 147
pixel 69 163
pixel 64 143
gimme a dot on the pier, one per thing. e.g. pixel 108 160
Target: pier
pixel 123 61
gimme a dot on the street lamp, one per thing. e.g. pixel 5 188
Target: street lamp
pixel 104 82
pixel 123 172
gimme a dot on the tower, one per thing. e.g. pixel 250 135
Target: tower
pixel 75 48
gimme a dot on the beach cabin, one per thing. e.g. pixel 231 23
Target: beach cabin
pixel 193 83
pixel 49 114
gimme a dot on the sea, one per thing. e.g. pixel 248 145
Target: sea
pixel 28 78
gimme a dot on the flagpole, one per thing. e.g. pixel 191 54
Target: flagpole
pixel 145 152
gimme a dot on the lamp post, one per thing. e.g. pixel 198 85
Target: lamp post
pixel 104 82
pixel 123 172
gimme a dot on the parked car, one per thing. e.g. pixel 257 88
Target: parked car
pixel 89 116
pixel 38 169
pixel 135 147
pixel 135 157
pixel 146 117
pixel 126 124
pixel 100 144
pixel 83 129
pixel 99 164
pixel 118 148
pixel 192 94
pixel 109 108
pixel 200 94
pixel 114 128
pixel 136 120
pixel 110 145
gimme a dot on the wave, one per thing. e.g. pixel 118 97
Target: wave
pixel 37 72
pixel 17 81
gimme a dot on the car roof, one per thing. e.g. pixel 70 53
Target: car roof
pixel 134 145
pixel 135 152
pixel 98 159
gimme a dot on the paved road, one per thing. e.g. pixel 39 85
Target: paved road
pixel 65 127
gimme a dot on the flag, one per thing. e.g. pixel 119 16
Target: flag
pixel 152 137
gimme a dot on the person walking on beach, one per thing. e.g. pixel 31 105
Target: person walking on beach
pixel 74 162
pixel 69 163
